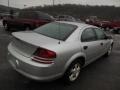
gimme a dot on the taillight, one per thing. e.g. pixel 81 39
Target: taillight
pixel 44 56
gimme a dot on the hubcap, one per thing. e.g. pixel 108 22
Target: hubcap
pixel 75 71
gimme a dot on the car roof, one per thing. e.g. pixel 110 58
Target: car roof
pixel 80 25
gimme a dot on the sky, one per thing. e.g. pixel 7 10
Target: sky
pixel 29 3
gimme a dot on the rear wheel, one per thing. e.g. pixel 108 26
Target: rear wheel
pixel 73 72
pixel 6 27
pixel 27 28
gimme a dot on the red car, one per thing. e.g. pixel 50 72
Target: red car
pixel 27 20
pixel 105 24
pixel 115 25
pixel 94 22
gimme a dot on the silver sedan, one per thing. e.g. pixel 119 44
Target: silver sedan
pixel 57 49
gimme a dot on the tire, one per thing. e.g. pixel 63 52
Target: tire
pixel 6 27
pixel 119 31
pixel 109 51
pixel 27 28
pixel 115 31
pixel 73 72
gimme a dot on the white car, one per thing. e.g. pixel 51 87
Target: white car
pixel 57 49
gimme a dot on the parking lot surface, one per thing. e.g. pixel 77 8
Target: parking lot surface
pixel 103 74
pixel 0 23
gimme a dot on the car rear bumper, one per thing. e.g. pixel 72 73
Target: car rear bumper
pixel 31 69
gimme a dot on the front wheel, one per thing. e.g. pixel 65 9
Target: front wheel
pixel 119 31
pixel 73 72
pixel 109 51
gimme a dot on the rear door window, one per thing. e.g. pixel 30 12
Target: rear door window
pixel 45 16
pixel 28 15
pixel 88 35
pixel 100 34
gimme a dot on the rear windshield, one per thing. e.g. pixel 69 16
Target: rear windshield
pixel 60 31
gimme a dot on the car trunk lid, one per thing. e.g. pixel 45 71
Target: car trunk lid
pixel 27 42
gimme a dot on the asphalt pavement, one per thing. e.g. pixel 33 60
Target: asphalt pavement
pixel 103 74
pixel 0 23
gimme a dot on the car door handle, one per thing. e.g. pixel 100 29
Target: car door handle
pixel 101 44
pixel 85 47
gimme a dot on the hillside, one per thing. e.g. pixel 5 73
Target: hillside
pixel 81 11
pixel 6 9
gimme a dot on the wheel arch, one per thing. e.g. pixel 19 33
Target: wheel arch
pixel 80 58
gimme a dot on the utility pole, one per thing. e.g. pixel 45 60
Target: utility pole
pixel 53 2
pixel 8 6
pixel 8 3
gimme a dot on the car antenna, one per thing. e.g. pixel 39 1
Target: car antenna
pixel 59 31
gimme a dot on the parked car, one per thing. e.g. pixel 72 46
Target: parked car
pixel 57 49
pixel 65 18
pixel 95 23
pixel 105 25
pixel 27 20
pixel 115 25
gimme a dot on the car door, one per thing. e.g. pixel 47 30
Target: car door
pixel 101 36
pixel 90 45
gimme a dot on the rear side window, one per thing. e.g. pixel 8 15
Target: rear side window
pixel 88 35
pixel 100 34
pixel 22 15
pixel 28 15
pixel 45 16
pixel 60 31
